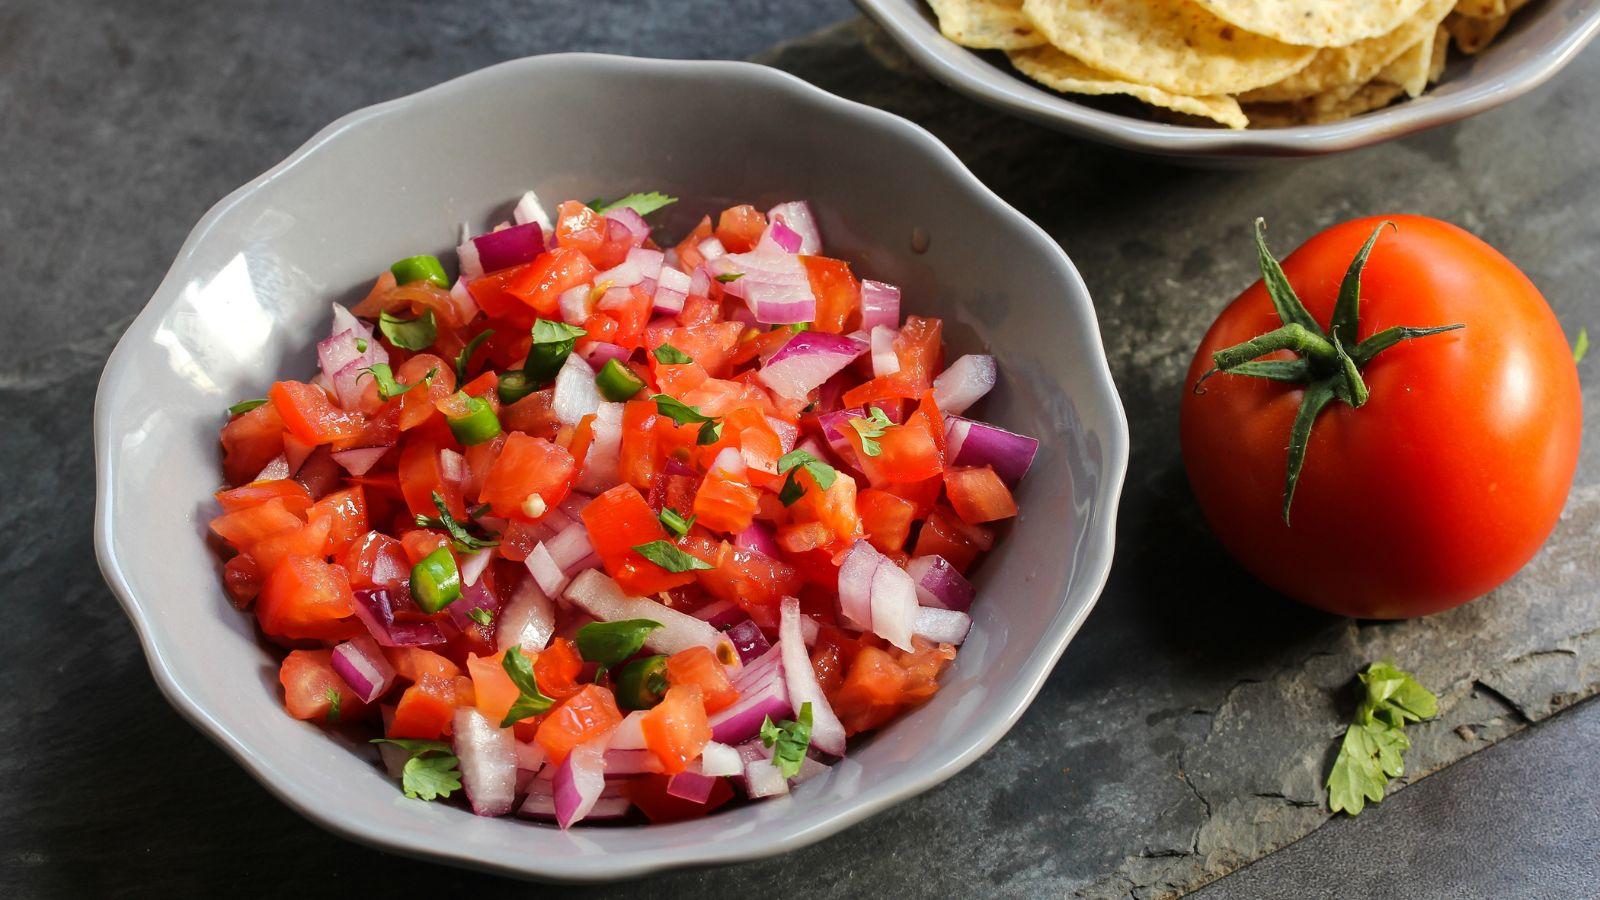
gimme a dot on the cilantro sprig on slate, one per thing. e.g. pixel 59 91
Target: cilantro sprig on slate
pixel 1372 750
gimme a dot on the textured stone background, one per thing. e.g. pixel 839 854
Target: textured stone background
pixel 1185 731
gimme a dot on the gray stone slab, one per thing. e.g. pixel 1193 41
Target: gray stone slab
pixel 1185 730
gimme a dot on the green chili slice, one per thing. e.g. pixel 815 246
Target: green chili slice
pixel 641 683
pixel 435 581
pixel 420 268
pixel 478 425
pixel 617 382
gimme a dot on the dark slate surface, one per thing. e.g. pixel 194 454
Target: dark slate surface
pixel 1185 731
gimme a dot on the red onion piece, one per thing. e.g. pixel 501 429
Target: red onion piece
pixel 833 426
pixel 779 237
pixel 600 465
pixel 360 460
pixel 374 609
pixel 576 303
pixel 721 615
pixel 546 572
pixel 672 289
pixel 598 595
pixel 473 564
pixel 894 605
pixel 964 383
pixel 575 396
pixel 884 360
pixel 578 782
pixel 691 786
pixel 769 696
pixel 855 584
pixel 598 353
pixel 796 214
pixel 529 209
pixel 475 596
pixel 711 248
pixel 807 360
pixel 467 260
pixel 940 584
pixel 810 767
pixel 718 759
pixel 633 761
pixel 773 284
pixel 880 304
pixel 630 219
pixel 276 470
pixel 748 640
pixel 541 803
pixel 827 732
pixel 944 626
pixel 528 621
pixel 363 667
pixel 700 282
pixel 758 539
pixel 630 734
pixel 488 758
pixel 763 779
pixel 972 443
pixel 509 246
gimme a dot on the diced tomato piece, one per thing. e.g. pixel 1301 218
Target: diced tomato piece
pixel 557 669
pixel 247 527
pixel 872 691
pixel 922 666
pixel 307 540
pixel 619 520
pixel 827 662
pixel 419 543
pixel 412 663
pixel 346 511
pixel 639 457
pixel 490 293
pixel 310 415
pixel 838 294
pixel 913 451
pixel 250 441
pixel 711 345
pixel 579 227
pixel 834 507
pixel 426 709
pixel 310 685
pixel 803 537
pixel 527 466
pixel 700 667
pixel 649 793
pixel 674 491
pixel 242 579
pixel 754 581
pixel 886 518
pixel 921 494
pixel 945 534
pixel 676 729
pixel 740 227
pixel 420 404
pixel 689 255
pixel 294 495
pixel 725 502
pixel 421 476
pixel 541 283
pixel 587 714
pixel 375 560
pixel 534 415
pixel 307 599
pixel 978 495
pixel 492 689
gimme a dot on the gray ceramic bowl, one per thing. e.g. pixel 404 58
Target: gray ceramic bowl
pixel 1540 40
pixel 248 296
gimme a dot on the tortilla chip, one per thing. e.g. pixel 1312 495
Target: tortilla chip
pixel 1473 33
pixel 1349 68
pixel 1058 71
pixel 1315 23
pixel 986 24
pixel 1322 108
pixel 1441 51
pixel 1410 70
pixel 1481 9
pixel 1174 45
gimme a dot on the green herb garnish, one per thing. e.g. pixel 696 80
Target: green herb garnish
pixel 674 522
pixel 532 701
pixel 411 334
pixel 1371 751
pixel 431 772
pixel 788 740
pixel 667 354
pixel 684 414
pixel 792 463
pixel 870 428
pixel 610 643
pixel 667 555
pixel 465 356
pixel 643 204
pixel 244 406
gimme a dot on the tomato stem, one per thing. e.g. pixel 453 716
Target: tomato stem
pixel 1324 368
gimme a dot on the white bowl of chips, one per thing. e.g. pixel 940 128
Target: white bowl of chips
pixel 1236 79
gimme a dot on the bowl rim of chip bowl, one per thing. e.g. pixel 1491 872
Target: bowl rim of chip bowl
pixel 162 392
pixel 985 76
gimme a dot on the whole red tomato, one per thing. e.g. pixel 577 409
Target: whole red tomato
pixel 1451 475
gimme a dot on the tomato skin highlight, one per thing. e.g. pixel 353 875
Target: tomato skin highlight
pixel 1451 476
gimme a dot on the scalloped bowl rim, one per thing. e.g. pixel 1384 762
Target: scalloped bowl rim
pixel 1087 583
